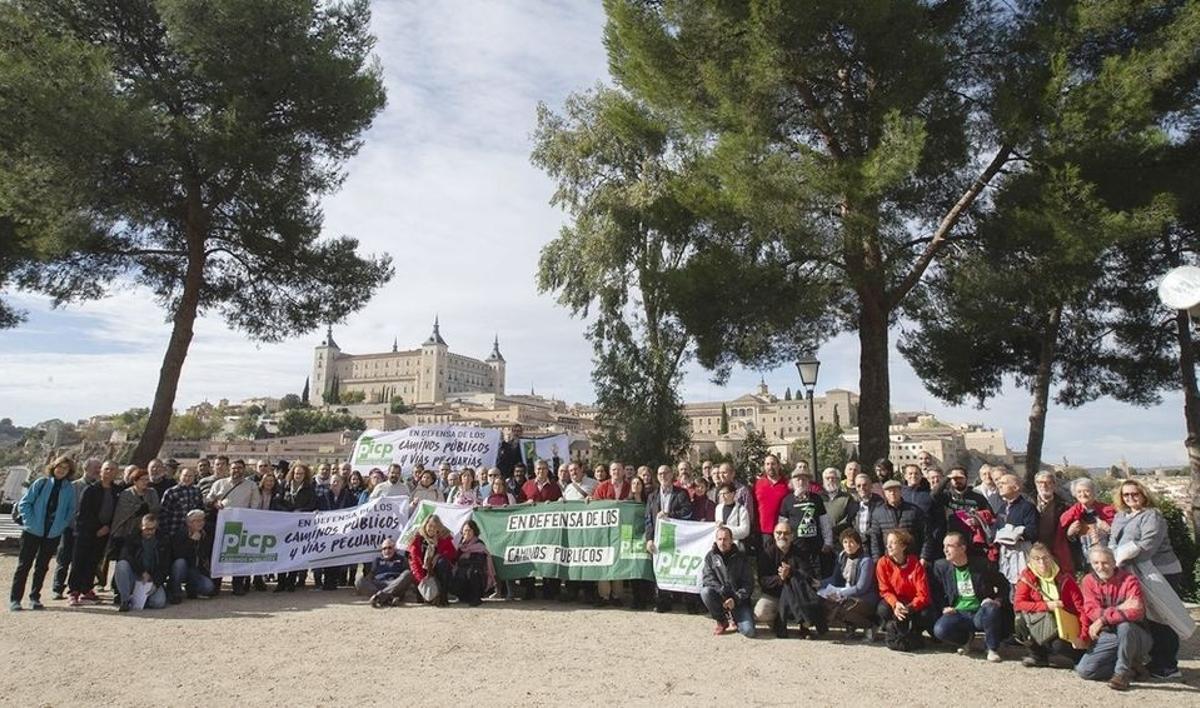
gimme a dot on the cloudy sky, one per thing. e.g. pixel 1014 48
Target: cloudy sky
pixel 444 184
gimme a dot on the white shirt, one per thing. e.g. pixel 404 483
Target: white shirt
pixel 578 491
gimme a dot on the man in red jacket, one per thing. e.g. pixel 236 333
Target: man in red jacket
pixel 1112 613
pixel 541 489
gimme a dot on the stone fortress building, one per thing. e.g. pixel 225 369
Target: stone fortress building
pixel 427 375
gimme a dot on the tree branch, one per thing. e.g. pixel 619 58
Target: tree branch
pixel 938 239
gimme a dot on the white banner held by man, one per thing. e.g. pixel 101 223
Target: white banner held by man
pixel 431 445
pixel 680 550
pixel 253 542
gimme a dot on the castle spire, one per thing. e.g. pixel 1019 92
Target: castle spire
pixel 436 337
pixel 495 355
pixel 395 344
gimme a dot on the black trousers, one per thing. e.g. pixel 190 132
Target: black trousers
pixel 87 554
pixel 66 552
pixel 36 553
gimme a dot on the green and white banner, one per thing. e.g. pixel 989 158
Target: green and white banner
pixel 681 547
pixel 253 542
pixel 548 449
pixel 431 445
pixel 567 540
pixel 452 516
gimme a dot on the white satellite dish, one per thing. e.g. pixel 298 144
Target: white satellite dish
pixel 1180 288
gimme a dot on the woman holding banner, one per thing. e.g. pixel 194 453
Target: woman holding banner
pixel 643 590
pixel 431 557
pixel 270 498
pixel 299 495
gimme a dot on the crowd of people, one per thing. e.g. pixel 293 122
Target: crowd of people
pixel 907 559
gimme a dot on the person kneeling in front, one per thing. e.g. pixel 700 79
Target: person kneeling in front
pixel 969 594
pixel 144 558
pixel 1113 611
pixel 726 585
pixel 191 553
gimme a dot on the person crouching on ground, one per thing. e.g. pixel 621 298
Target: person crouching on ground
pixel 969 594
pixel 144 558
pixel 904 610
pixel 1042 590
pixel 390 577
pixel 431 557
pixel 191 553
pixel 788 579
pixel 473 573
pixel 727 584
pixel 849 593
pixel 1113 610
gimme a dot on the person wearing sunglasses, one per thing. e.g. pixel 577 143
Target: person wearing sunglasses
pixel 1142 545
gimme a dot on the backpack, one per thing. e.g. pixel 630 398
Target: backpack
pixel 899 636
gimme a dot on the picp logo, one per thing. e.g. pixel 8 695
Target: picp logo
pixel 240 546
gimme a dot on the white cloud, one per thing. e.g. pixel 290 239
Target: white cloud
pixel 445 186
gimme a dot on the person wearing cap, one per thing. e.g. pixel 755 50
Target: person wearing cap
pixel 805 513
pixel 895 513
pixel 46 508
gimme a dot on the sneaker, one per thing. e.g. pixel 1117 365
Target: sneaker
pixel 74 601
pixel 36 605
pixel 58 595
pixel 869 634
pixel 994 656
pixel 963 650
pixel 720 629
pixel 89 596
pixel 1120 682
pixel 15 606
pixel 1035 662
pixel 1166 673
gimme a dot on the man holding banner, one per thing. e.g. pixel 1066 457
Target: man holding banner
pixel 727 585
pixel 670 502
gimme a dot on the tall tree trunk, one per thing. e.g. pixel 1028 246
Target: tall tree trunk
pixel 874 405
pixel 1041 398
pixel 1191 411
pixel 181 335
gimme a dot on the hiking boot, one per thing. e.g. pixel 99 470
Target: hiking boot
pixel 1035 662
pixel 1119 682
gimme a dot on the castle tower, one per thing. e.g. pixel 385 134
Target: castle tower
pixel 324 359
pixel 434 363
pixel 496 363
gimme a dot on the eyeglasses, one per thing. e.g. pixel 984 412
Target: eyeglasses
pixel 1130 495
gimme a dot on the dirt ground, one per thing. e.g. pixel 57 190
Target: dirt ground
pixel 315 648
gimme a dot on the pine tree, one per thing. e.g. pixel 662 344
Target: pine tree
pixel 304 393
pixel 723 429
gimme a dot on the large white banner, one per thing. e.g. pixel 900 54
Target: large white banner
pixel 452 516
pixel 253 542
pixel 680 550
pixel 534 449
pixel 431 445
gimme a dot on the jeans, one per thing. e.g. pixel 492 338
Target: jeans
pixel 66 550
pixel 743 614
pixel 35 553
pixel 1115 652
pixel 959 626
pixel 197 582
pixel 124 578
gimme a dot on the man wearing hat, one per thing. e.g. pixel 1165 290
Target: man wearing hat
pixel 895 513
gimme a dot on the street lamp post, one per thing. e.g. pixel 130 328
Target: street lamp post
pixel 808 367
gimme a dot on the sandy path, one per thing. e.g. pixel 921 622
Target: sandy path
pixel 351 654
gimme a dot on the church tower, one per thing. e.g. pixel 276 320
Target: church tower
pixel 324 367
pixel 496 363
pixel 434 364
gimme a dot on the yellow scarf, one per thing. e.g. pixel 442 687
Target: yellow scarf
pixel 1046 582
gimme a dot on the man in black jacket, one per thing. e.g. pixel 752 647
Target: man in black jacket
pixel 957 507
pixel 726 585
pixel 668 501
pixel 191 555
pixel 788 580
pixel 895 513
pixel 970 597
pixel 96 507
pixel 509 455
pixel 144 558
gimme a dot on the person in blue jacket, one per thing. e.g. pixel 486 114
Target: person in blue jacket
pixel 46 509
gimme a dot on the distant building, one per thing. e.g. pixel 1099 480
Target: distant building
pixel 429 374
pixel 912 433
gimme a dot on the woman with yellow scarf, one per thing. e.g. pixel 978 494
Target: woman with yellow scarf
pixel 1048 598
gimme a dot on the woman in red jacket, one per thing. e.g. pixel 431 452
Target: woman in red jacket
pixel 431 557
pixel 904 606
pixel 1043 587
